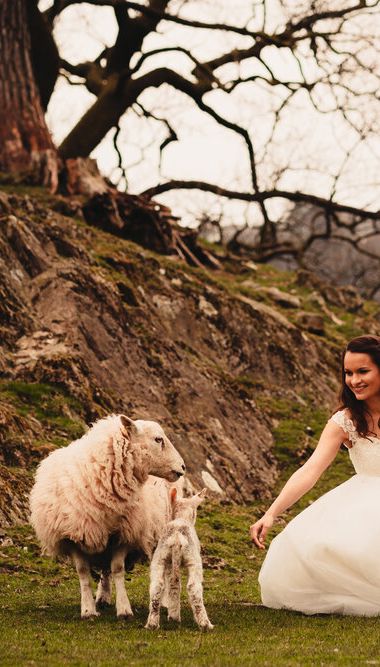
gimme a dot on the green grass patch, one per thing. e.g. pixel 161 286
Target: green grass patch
pixel 39 612
pixel 49 404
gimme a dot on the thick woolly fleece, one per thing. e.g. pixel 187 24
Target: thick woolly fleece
pixel 95 487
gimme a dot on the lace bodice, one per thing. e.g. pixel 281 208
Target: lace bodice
pixel 364 452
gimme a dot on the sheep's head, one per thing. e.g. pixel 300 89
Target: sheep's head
pixel 186 508
pixel 160 456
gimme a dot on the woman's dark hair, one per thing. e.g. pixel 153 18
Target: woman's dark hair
pixel 365 345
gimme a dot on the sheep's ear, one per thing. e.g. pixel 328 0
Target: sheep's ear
pixel 173 495
pixel 128 425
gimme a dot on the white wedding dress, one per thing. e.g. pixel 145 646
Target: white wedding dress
pixel 327 560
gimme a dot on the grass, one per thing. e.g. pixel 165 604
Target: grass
pixel 39 606
pixel 39 609
pixel 49 404
pixel 40 622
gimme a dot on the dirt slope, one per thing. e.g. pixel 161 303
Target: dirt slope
pixel 92 324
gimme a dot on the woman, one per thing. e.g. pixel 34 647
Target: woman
pixel 327 560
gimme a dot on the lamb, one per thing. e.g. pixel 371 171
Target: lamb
pixel 97 501
pixel 179 544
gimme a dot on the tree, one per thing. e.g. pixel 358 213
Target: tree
pixel 330 47
pixel 26 145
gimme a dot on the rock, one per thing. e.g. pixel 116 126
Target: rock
pixel 176 282
pixel 346 297
pixel 26 246
pixel 206 307
pixel 317 299
pixel 14 496
pixel 267 310
pixel 282 298
pixel 251 284
pixel 18 436
pixel 211 483
pixel 251 266
pixel 5 206
pixel 311 322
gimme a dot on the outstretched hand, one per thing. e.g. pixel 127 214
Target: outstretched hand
pixel 258 531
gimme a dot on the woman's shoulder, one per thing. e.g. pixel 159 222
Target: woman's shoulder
pixel 343 419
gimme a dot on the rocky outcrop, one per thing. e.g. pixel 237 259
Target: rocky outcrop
pixel 118 329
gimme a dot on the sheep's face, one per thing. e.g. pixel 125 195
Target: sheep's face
pixel 163 459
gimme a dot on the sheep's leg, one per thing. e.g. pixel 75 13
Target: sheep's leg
pixel 195 592
pixel 174 595
pixel 88 609
pixel 165 594
pixel 104 590
pixel 123 606
pixel 156 589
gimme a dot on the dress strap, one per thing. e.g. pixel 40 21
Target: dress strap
pixel 345 422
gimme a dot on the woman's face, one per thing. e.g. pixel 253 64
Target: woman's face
pixel 362 375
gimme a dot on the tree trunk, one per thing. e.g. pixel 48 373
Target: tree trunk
pixel 26 148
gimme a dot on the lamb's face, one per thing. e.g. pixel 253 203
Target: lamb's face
pixel 164 460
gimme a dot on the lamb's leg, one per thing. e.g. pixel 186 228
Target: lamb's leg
pixel 104 590
pixel 88 609
pixel 156 588
pixel 195 592
pixel 123 606
pixel 174 595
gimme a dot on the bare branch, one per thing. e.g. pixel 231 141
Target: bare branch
pixel 171 136
pixel 60 5
pixel 120 165
pixel 326 204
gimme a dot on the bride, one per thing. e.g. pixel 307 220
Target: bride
pixel 327 560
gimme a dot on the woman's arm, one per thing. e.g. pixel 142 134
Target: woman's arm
pixel 301 481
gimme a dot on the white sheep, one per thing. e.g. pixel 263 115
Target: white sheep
pixel 178 545
pixel 95 502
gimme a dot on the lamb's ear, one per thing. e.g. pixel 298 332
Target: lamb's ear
pixel 173 495
pixel 128 426
pixel 197 499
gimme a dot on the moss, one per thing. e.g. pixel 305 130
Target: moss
pixel 349 329
pixel 371 308
pixel 217 248
pixel 245 385
pixel 39 394
pixel 50 405
pixel 299 425
pixel 13 186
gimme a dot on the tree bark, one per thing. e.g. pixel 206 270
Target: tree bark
pixel 26 148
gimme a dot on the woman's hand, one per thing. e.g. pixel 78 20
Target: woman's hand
pixel 258 530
